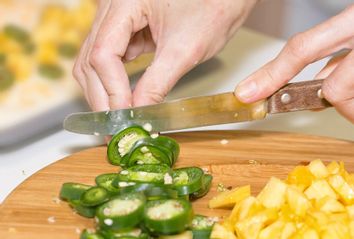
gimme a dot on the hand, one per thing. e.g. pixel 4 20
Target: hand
pixel 303 49
pixel 182 33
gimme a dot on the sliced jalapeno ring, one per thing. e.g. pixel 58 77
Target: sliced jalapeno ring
pixel 85 234
pixel 187 180
pixel 16 33
pixel 130 233
pixel 84 211
pixel 122 212
pixel 144 152
pixel 2 58
pixel 51 71
pixel 154 173
pixel 202 226
pixel 72 191
pixel 207 180
pixel 68 50
pixel 94 196
pixel 170 144
pixel 106 181
pixel 169 216
pixel 122 142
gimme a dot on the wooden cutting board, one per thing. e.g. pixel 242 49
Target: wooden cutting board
pixel 247 158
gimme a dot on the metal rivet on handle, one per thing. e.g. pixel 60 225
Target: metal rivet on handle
pixel 285 98
pixel 320 94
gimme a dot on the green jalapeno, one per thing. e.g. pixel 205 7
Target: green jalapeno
pixel 121 212
pixel 16 33
pixel 85 234
pixel 125 234
pixel 51 71
pixel 153 173
pixel 206 185
pixel 169 216
pixel 187 180
pixel 72 191
pixel 7 79
pixel 68 50
pixel 94 196
pixel 122 142
pixel 202 226
pixel 82 210
pixel 105 181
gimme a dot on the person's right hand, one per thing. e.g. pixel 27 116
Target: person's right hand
pixel 183 33
pixel 303 49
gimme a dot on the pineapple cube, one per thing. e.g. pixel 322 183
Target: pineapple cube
pixel 344 190
pixel 274 230
pixel 306 232
pixel 318 169
pixel 336 230
pixel 250 227
pixel 230 198
pixel 221 232
pixel 317 219
pixel 246 208
pixel 350 211
pixel 300 176
pixel 297 201
pixel 289 229
pixel 351 229
pixel 273 194
pixel 329 205
pixel 333 168
pixel 319 189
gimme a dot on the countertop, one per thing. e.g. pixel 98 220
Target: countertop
pixel 247 51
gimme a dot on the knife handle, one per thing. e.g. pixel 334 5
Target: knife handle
pixel 306 95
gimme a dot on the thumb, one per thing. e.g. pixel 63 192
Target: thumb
pixel 169 65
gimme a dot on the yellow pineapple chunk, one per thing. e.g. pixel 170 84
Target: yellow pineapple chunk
pixel 306 232
pixel 318 169
pixel 336 230
pixel 250 227
pixel 230 198
pixel 297 201
pixel 301 176
pixel 289 229
pixel 329 205
pixel 350 211
pixel 273 194
pixel 274 230
pixel 344 190
pixel 246 208
pixel 333 168
pixel 183 235
pixel 221 232
pixel 319 189
pixel 317 219
pixel 351 229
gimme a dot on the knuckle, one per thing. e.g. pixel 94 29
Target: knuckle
pixel 154 96
pixel 97 56
pixel 297 46
pixel 329 92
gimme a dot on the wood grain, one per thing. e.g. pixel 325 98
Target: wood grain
pixel 248 158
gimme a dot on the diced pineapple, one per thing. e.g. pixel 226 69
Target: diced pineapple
pixel 246 208
pixel 183 235
pixel 333 168
pixel 317 219
pixel 289 229
pixel 306 232
pixel 47 53
pixel 318 169
pixel 230 198
pixel 336 230
pixel 300 176
pixel 319 189
pixel 329 205
pixel 351 229
pixel 250 227
pixel 274 230
pixel 344 190
pixel 297 201
pixel 350 211
pixel 273 194
pixel 21 65
pixel 221 232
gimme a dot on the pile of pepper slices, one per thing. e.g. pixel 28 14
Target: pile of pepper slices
pixel 147 198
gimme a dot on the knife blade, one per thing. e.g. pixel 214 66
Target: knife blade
pixel 200 111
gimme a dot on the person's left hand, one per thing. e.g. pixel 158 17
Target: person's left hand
pixel 303 49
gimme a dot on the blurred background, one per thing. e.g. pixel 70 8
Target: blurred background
pixel 39 40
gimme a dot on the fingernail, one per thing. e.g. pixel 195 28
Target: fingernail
pixel 246 90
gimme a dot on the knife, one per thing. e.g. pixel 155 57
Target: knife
pixel 200 111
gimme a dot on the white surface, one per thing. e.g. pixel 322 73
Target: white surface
pixel 245 53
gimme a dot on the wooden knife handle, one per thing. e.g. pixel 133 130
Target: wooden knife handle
pixel 305 95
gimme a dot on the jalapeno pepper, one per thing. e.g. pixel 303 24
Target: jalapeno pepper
pixel 68 50
pixel 85 234
pixel 207 179
pixel 149 151
pixel 73 191
pixel 51 71
pixel 16 33
pixel 84 211
pixel 171 145
pixel 123 141
pixel 122 234
pixel 105 181
pixel 202 227
pixel 94 196
pixel 187 180
pixel 122 212
pixel 169 216
pixel 144 173
pixel 7 78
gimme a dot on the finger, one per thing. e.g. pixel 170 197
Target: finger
pixel 338 87
pixel 169 65
pixel 83 72
pixel 139 44
pixel 110 45
pixel 301 50
pixel 331 65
